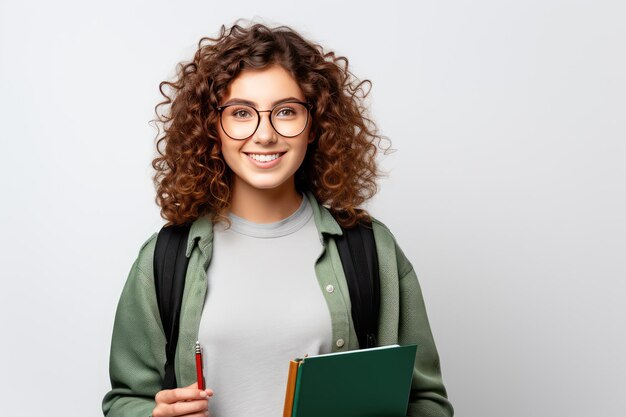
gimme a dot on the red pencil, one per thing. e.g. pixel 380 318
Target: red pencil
pixel 199 366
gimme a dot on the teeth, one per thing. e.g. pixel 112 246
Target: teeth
pixel 263 158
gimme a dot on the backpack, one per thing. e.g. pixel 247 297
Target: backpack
pixel 357 250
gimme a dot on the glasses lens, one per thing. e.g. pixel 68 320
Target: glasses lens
pixel 289 119
pixel 239 121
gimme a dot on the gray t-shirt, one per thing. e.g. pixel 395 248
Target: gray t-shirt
pixel 264 307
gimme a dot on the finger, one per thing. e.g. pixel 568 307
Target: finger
pixel 170 396
pixel 205 414
pixel 209 391
pixel 188 407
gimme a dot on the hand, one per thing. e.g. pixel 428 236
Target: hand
pixel 188 402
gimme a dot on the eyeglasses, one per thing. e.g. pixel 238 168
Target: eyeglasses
pixel 288 119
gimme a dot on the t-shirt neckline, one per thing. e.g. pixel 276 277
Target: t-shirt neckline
pixel 286 226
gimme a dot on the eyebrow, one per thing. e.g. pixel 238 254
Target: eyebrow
pixel 253 104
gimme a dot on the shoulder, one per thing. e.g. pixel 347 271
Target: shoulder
pixel 382 233
pixel 146 254
pixel 139 283
pixel 387 246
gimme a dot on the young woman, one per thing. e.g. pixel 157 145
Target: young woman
pixel 266 151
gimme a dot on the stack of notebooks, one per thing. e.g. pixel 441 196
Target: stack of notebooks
pixel 366 382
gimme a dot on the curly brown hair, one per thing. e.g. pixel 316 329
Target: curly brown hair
pixel 192 179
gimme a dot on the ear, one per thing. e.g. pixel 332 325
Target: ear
pixel 311 137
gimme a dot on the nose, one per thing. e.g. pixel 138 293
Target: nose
pixel 265 133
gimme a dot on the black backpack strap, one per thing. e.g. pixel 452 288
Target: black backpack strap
pixel 357 250
pixel 170 267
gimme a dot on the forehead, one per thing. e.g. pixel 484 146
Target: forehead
pixel 263 86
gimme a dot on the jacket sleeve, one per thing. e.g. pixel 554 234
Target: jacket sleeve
pixel 428 397
pixel 137 345
pixel 402 297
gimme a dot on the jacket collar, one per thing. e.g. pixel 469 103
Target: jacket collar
pixel 202 228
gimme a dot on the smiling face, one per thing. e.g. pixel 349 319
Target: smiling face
pixel 266 160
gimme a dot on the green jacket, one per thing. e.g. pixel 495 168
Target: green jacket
pixel 138 342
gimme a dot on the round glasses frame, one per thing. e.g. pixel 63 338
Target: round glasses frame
pixel 308 105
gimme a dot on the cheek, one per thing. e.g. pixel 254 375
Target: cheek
pixel 230 153
pixel 307 140
pixel 300 155
pixel 232 161
pixel 303 149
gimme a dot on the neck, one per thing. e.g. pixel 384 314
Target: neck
pixel 264 205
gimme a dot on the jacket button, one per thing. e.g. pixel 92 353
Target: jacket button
pixel 340 342
pixel 330 288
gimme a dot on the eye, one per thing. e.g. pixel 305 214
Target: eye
pixel 241 113
pixel 286 112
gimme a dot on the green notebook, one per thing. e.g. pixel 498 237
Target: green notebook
pixel 366 382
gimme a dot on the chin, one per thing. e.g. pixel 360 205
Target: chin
pixel 265 186
pixel 268 183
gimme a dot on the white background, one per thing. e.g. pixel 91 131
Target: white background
pixel 507 190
